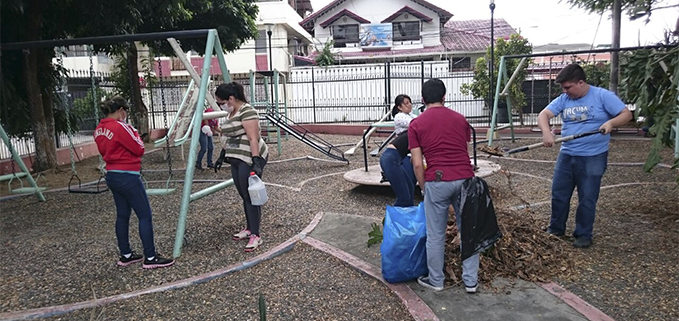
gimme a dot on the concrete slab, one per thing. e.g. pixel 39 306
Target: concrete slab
pixel 519 301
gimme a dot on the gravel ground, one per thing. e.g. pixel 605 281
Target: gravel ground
pixel 629 273
pixel 291 289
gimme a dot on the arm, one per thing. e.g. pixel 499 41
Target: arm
pixel 543 123
pixel 251 127
pixel 418 165
pixel 130 140
pixel 622 118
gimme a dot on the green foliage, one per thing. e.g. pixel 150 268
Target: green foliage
pixel 635 8
pixel 326 57
pixel 649 80
pixel 479 88
pixel 375 235
pixel 88 106
pixel 598 74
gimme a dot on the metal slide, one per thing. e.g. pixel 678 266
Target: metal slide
pixel 305 136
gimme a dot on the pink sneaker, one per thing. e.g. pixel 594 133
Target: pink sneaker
pixel 254 242
pixel 244 234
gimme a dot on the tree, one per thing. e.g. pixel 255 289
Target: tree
pixel 326 57
pixel 28 82
pixel 635 9
pixel 649 80
pixel 480 86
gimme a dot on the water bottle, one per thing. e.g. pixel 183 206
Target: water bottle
pixel 257 190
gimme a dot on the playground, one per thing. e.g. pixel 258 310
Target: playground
pixel 62 251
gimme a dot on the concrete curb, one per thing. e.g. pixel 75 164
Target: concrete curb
pixel 198 279
pixel 417 308
pixel 580 305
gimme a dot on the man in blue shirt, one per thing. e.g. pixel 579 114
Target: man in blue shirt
pixel 581 162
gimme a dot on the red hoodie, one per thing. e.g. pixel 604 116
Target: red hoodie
pixel 119 144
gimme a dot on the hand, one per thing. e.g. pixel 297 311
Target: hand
pixel 258 165
pixel 220 160
pixel 548 140
pixel 606 128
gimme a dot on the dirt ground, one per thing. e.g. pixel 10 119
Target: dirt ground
pixel 630 273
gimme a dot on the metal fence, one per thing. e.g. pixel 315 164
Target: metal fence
pixel 363 93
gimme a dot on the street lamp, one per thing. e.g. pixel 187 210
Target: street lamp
pixel 269 31
pixel 492 53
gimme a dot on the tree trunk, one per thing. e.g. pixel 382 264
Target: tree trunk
pixel 615 55
pixel 139 114
pixel 45 60
pixel 45 147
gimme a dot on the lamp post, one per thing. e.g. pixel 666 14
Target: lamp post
pixel 491 69
pixel 269 31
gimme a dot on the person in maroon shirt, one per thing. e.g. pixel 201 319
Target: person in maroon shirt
pixel 121 148
pixel 441 136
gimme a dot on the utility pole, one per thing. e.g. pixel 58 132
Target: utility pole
pixel 615 44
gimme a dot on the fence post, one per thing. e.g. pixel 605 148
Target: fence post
pixel 313 93
pixel 422 70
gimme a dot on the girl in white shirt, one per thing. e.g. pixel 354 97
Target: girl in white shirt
pixel 402 113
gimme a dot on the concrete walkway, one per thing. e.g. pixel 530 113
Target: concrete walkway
pixel 521 301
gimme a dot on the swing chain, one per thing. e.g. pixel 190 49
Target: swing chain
pixel 90 51
pixel 65 101
pixel 162 102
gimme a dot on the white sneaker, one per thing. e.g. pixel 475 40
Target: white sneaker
pixel 244 234
pixel 471 289
pixel 424 281
pixel 254 242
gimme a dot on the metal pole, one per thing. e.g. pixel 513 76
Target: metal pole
pixel 18 161
pixel 491 68
pixel 186 191
pixel 273 102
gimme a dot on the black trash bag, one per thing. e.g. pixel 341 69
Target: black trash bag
pixel 479 223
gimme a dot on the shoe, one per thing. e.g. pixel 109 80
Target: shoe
pixel 157 262
pixel 582 242
pixel 210 166
pixel 244 234
pixel 134 258
pixel 471 289
pixel 200 168
pixel 254 242
pixel 554 232
pixel 424 281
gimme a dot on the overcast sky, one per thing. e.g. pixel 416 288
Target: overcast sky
pixel 551 21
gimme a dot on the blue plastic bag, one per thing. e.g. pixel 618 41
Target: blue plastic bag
pixel 403 249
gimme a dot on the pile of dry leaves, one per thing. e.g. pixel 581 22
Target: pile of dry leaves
pixel 525 251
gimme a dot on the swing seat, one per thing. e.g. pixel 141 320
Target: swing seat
pixel 160 191
pixel 26 190
pixel 87 189
pixel 10 176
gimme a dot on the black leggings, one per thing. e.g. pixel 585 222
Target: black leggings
pixel 240 172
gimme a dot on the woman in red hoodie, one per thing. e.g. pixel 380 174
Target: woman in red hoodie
pixel 122 148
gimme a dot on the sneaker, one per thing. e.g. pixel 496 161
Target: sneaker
pixel 200 168
pixel 254 242
pixel 424 281
pixel 210 166
pixel 471 289
pixel 157 262
pixel 582 242
pixel 242 235
pixel 554 232
pixel 134 258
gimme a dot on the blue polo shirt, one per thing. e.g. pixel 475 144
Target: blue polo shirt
pixel 586 114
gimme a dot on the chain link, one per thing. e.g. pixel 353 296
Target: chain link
pixel 90 51
pixel 162 102
pixel 65 101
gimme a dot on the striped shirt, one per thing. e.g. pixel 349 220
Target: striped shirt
pixel 237 144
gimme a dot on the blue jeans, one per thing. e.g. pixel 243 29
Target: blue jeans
pixel 240 172
pixel 205 143
pixel 438 196
pixel 401 176
pixel 585 173
pixel 129 193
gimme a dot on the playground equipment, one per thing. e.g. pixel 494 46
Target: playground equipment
pixel 283 124
pixel 16 159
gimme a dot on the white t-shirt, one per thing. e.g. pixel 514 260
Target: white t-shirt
pixel 401 122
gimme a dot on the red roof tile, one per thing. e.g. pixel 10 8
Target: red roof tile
pixel 410 10
pixel 344 12
pixel 473 35
pixel 308 22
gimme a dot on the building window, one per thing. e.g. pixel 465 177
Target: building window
pixel 460 63
pixel 409 30
pixel 344 34
pixel 260 43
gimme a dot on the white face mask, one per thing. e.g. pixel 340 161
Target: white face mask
pixel 227 107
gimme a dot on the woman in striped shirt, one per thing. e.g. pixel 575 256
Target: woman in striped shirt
pixel 245 151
